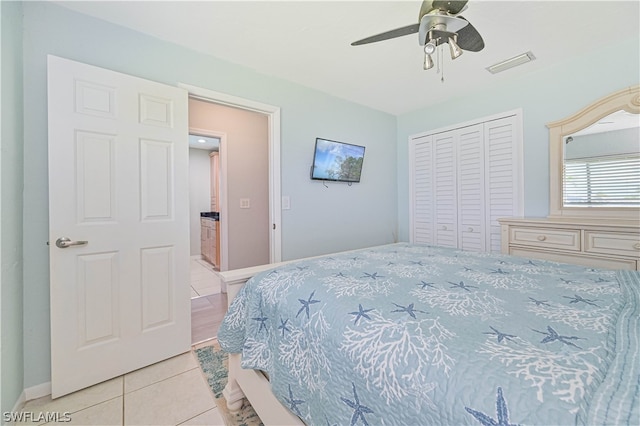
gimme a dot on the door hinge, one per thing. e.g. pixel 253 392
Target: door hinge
pixel 274 226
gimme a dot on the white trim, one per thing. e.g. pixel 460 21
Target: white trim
pixel 37 391
pixel 275 199
pixel 31 393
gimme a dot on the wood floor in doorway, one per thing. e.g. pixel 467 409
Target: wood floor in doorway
pixel 206 315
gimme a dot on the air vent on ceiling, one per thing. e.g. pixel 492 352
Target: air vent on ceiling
pixel 511 62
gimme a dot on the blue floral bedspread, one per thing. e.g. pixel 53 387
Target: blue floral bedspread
pixel 417 335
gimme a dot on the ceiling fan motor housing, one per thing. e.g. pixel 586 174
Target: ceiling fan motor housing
pixel 441 25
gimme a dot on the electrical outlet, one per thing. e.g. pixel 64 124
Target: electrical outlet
pixel 286 202
pixel 245 203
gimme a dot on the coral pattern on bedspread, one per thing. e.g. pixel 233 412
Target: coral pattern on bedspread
pixel 409 334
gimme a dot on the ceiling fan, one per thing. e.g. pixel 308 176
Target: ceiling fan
pixel 439 22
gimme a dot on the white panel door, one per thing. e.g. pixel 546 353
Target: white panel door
pixel 470 174
pixel 444 184
pixel 422 190
pixel 118 191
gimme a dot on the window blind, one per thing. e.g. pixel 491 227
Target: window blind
pixel 614 181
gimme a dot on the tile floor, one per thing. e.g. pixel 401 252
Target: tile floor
pixel 204 279
pixel 171 392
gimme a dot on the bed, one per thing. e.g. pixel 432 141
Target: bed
pixel 412 334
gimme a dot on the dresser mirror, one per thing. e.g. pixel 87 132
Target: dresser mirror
pixel 595 159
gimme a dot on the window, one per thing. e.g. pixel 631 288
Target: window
pixel 611 180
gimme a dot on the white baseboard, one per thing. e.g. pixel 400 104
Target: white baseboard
pixel 37 391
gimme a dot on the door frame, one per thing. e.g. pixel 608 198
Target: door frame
pixel 275 200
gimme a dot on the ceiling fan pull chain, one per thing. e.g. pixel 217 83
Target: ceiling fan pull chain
pixel 442 69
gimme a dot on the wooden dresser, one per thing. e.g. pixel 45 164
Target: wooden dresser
pixel 613 244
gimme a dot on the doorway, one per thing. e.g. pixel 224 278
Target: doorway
pixel 272 114
pixel 262 207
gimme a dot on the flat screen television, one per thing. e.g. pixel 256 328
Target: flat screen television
pixel 337 161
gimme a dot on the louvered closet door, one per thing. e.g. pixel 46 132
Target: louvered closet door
pixel 502 175
pixel 422 190
pixel 470 174
pixel 444 186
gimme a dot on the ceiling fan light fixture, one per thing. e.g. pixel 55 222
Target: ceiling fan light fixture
pixel 454 48
pixel 511 62
pixel 430 47
pixel 428 62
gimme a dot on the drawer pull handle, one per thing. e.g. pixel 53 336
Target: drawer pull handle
pixel 541 237
pixel 636 246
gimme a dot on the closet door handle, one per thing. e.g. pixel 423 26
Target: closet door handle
pixel 636 246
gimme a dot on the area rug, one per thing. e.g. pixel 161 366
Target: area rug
pixel 215 366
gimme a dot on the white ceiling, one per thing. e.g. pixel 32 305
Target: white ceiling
pixel 204 142
pixel 308 42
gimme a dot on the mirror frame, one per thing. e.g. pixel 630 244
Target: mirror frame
pixel 627 99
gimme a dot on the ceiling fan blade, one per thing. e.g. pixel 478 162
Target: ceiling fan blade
pixel 452 7
pixel 398 32
pixel 469 38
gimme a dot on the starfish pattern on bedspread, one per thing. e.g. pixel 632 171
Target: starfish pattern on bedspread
pixel 283 326
pixel 373 276
pixel 306 303
pixel 359 410
pixel 360 313
pixel 409 309
pixel 369 327
pixel 293 403
pixel 539 302
pixel 261 319
pixel 461 285
pixel 502 413
pixel 501 336
pixel 424 284
pixel 553 336
pixel 578 298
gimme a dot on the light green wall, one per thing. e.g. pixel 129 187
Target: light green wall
pixel 547 95
pixel 11 169
pixel 336 218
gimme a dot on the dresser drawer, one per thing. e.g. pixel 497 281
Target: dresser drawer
pixel 593 261
pixel 567 239
pixel 612 243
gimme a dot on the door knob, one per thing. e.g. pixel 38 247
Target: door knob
pixel 64 242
